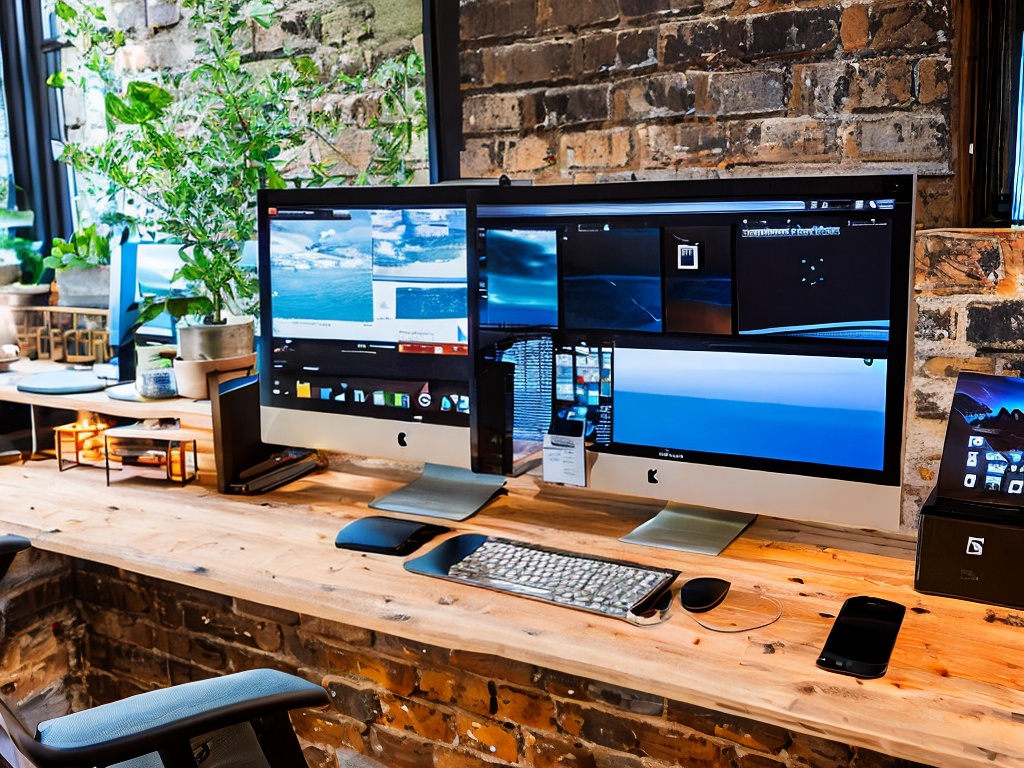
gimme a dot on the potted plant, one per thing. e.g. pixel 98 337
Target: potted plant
pixel 81 267
pixel 190 150
pixel 21 265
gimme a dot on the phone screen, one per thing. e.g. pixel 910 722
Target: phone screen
pixel 862 637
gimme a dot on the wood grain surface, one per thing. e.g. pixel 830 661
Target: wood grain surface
pixel 953 695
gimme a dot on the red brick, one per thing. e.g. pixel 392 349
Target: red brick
pixel 528 708
pixel 933 75
pixel 696 43
pixel 597 149
pixel 428 720
pixel 396 676
pixel 904 138
pixel 397 749
pixel 820 89
pixel 485 19
pixel 354 697
pixel 450 757
pixel 558 14
pixel 744 93
pixel 331 730
pixel 522 63
pixel 495 667
pixel 460 689
pixel 801 32
pixel 853 28
pixel 487 736
pixel 556 750
pixel 910 26
pixel 884 83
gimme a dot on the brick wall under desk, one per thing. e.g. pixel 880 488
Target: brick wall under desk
pixel 41 670
pixel 411 705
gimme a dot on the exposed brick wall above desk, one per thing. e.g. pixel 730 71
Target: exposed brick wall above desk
pixel 606 89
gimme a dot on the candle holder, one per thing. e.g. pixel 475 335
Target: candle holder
pixel 79 444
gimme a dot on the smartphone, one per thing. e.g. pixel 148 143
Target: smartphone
pixel 862 637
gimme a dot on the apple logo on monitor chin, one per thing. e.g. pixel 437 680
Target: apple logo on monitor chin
pixel 402 440
pixel 652 476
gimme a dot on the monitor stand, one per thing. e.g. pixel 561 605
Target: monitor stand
pixel 687 528
pixel 451 493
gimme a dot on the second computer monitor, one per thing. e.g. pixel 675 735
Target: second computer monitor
pixel 363 322
pixel 734 344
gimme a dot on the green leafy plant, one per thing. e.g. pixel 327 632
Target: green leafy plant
pixel 26 251
pixel 399 85
pixel 191 149
pixel 87 247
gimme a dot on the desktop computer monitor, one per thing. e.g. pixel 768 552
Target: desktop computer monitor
pixel 736 345
pixel 363 338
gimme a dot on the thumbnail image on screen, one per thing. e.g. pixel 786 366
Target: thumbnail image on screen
pixel 371 275
pixel 519 278
pixel 983 456
pixel 611 277
pixel 814 276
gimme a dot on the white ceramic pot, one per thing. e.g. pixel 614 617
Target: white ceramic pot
pixel 89 287
pixel 213 342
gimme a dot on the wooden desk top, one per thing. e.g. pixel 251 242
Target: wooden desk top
pixel 97 402
pixel 953 696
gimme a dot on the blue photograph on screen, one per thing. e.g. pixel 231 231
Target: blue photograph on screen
pixel 520 279
pixel 333 269
pixel 611 278
pixel 818 410
pixel 323 270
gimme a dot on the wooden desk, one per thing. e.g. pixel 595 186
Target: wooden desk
pixel 953 696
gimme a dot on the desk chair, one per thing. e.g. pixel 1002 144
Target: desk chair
pixel 235 721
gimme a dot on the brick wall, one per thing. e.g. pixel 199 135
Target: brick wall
pixel 411 705
pixel 611 89
pixel 40 661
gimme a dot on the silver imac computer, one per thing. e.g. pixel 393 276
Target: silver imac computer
pixel 735 347
pixel 363 327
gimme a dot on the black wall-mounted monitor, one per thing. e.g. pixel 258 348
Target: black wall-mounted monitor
pixel 363 324
pixel 734 344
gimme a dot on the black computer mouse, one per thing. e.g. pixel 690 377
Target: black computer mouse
pixel 702 594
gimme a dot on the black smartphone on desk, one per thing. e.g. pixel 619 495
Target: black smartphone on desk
pixel 862 637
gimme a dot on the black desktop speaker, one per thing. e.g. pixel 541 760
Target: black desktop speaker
pixel 973 558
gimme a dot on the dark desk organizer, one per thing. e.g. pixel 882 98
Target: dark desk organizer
pixel 971 532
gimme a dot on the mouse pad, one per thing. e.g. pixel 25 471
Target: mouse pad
pixel 387 535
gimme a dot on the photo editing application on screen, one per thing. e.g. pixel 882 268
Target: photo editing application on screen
pixel 363 320
pixel 701 332
pixel 983 456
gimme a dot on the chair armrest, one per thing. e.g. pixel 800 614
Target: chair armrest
pixel 142 724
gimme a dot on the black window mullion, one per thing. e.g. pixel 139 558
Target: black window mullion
pixel 42 179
